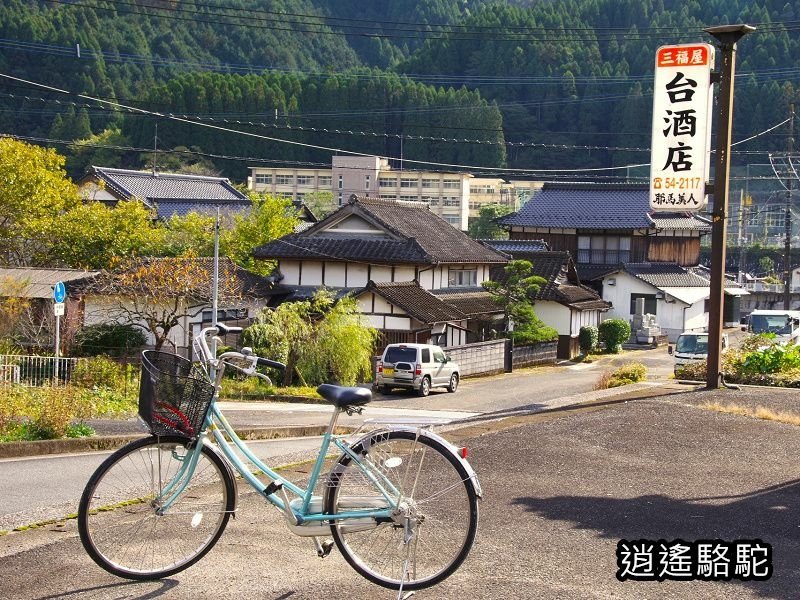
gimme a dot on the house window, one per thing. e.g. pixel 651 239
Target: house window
pixel 462 277
pixel 603 249
pixel 453 220
pixel 341 183
pixel 366 182
pixel 650 303
pixel 283 179
pixel 387 182
pixel 452 184
pixel 340 198
pixel 324 181
pixel 305 180
pixel 430 183
pixel 433 201
pixel 405 182
pixel 229 314
pixel 263 178
pixel 300 196
pixel 451 201
pixel 409 198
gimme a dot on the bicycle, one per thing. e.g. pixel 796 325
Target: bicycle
pixel 400 503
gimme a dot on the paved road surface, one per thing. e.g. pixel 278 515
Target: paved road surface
pixel 561 490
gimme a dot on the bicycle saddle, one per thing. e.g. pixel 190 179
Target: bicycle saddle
pixel 343 397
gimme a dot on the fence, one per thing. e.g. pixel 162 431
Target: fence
pixel 36 370
pixel 543 353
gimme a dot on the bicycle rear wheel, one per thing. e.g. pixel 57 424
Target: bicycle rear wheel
pixel 122 525
pixel 430 535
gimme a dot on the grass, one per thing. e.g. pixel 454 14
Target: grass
pixel 631 372
pixel 759 412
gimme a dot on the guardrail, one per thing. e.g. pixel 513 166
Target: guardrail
pixel 36 371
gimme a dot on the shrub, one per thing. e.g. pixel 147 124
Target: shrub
pixel 628 373
pixel 111 339
pixel 99 371
pixel 587 339
pixel 613 333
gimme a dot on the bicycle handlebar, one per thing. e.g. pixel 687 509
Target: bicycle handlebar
pixel 209 358
pixel 265 362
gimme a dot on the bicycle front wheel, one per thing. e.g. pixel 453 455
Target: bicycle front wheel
pixel 435 520
pixel 146 514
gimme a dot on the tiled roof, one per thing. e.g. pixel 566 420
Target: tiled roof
pixel 181 277
pixel 561 282
pixel 472 302
pixel 380 250
pixel 171 192
pixel 587 272
pixel 439 240
pixel 417 302
pixel 596 206
pixel 663 275
pixel 515 246
pixel 705 273
pixel 38 283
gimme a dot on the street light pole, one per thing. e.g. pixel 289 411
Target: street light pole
pixel 727 36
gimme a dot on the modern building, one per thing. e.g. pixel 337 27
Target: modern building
pixel 455 197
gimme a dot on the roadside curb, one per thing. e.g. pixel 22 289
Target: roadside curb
pixel 112 442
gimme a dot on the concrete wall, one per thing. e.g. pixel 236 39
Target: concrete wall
pixel 535 354
pixel 479 359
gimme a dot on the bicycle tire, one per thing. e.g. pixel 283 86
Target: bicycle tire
pixel 436 488
pixel 118 520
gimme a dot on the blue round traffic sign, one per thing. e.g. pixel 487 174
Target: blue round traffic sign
pixel 59 292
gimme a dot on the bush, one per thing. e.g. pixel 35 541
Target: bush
pixel 613 333
pixel 111 339
pixel 628 373
pixel 587 339
pixel 100 371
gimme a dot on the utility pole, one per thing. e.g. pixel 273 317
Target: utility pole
pixel 787 242
pixel 727 36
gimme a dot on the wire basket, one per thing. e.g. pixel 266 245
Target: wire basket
pixel 174 395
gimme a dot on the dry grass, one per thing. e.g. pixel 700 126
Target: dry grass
pixel 760 412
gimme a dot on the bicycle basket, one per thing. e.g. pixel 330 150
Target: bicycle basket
pixel 174 396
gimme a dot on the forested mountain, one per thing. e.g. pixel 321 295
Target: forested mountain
pixel 565 84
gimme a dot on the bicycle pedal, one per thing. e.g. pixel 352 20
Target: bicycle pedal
pixel 273 487
pixel 325 548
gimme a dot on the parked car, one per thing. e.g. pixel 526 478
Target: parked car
pixel 419 367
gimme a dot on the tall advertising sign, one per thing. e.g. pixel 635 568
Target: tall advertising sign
pixel 682 98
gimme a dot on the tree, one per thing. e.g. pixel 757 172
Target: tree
pixel 34 191
pixel 325 340
pixel 320 203
pixel 268 219
pixel 484 226
pixel 515 294
pixel 95 236
pixel 156 294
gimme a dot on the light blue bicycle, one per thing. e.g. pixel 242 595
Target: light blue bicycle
pixel 401 503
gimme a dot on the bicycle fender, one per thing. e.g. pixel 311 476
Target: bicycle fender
pixel 213 447
pixel 453 450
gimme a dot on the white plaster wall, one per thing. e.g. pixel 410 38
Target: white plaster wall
pixel 334 274
pixel 555 315
pixel 404 273
pixel 357 275
pixel 364 302
pixel 375 321
pixel 380 273
pixel 291 271
pixel 382 305
pixel 669 315
pixel 403 323
pixel 311 273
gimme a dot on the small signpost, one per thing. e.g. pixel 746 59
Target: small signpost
pixel 59 295
pixel 682 98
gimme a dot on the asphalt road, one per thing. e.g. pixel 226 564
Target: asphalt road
pixel 561 489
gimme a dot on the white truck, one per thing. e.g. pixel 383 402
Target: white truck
pixel 692 346
pixel 785 324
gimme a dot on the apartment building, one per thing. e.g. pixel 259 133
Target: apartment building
pixel 373 177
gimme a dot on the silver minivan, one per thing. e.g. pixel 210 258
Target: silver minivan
pixel 416 366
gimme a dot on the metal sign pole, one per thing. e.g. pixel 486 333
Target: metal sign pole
pixel 727 35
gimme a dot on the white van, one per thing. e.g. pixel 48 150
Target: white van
pixel 785 324
pixel 692 346
pixel 416 366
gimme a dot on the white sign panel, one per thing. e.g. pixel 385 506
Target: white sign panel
pixel 58 309
pixel 682 97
